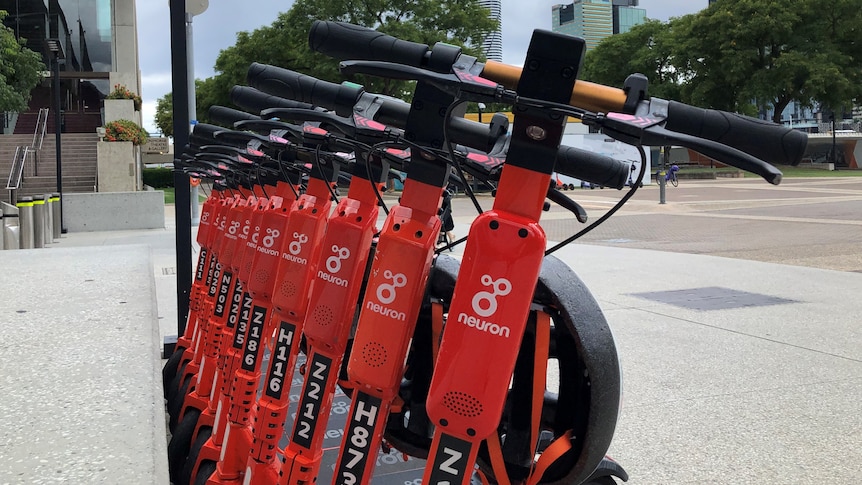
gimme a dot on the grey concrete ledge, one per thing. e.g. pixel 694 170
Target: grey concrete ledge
pixel 114 211
pixel 80 368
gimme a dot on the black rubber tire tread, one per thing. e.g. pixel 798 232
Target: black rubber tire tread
pixel 205 471
pixel 181 442
pixel 169 370
pixel 185 477
pixel 174 387
pixel 602 481
pixel 175 407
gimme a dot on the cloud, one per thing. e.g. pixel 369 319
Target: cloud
pixel 148 115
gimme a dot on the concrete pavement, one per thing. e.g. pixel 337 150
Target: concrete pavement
pixel 736 370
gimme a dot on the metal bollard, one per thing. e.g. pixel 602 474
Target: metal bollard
pixel 55 215
pixel 38 222
pixel 25 222
pixel 2 231
pixel 49 225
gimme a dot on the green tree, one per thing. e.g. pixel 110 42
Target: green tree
pixel 646 49
pixel 204 97
pixel 285 42
pixel 164 118
pixel 19 70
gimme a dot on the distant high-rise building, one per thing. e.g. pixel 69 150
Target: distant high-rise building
pixel 593 20
pixel 493 44
pixel 626 15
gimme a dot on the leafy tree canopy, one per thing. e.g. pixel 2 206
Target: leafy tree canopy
pixel 285 42
pixel 164 118
pixel 19 70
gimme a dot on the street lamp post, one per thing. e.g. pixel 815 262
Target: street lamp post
pixel 56 48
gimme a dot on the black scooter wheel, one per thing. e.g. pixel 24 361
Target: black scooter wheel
pixel 175 406
pixel 186 477
pixel 181 442
pixel 205 471
pixel 170 369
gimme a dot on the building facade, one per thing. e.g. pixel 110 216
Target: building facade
pixel 99 43
pixel 627 15
pixel 493 44
pixel 592 20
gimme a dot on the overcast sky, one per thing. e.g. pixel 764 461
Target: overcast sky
pixel 216 29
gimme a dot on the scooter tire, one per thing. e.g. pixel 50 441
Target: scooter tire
pixel 170 369
pixel 205 471
pixel 186 477
pixel 181 443
pixel 175 407
pixel 174 387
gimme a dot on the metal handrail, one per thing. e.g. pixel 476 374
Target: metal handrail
pixel 17 171
pixel 40 133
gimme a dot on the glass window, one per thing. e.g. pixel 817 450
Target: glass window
pixel 83 27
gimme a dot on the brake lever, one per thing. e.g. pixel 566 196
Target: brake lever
pixel 397 156
pixel 355 126
pixel 240 136
pixel 649 130
pixel 566 202
pixel 267 126
pixel 459 83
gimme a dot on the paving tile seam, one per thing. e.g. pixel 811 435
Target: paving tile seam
pixel 749 392
pixel 805 220
pixel 738 203
pixel 737 332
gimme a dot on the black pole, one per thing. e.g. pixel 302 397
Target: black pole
pixel 58 139
pixel 180 88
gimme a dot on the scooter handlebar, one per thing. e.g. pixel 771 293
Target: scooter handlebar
pixel 293 85
pixel 342 41
pixel 255 101
pixel 592 167
pixel 228 116
pixel 764 140
pixel 760 138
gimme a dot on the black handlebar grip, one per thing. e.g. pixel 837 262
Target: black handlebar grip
pixel 592 167
pixel 472 134
pixel 205 133
pixel 255 101
pixel 343 41
pixel 228 116
pixel 293 85
pixel 765 140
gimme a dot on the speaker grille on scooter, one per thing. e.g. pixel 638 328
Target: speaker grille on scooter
pixel 247 267
pixel 287 288
pixel 322 315
pixel 261 276
pixel 462 404
pixel 374 354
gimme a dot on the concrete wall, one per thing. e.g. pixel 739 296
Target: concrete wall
pixel 114 211
pixel 125 46
pixel 121 109
pixel 116 166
